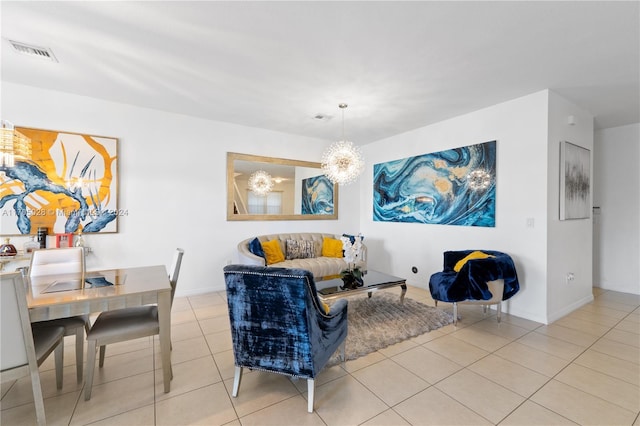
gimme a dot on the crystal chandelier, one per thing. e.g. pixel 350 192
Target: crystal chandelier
pixel 13 146
pixel 342 163
pixel 260 182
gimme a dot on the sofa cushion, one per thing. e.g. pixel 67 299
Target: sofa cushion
pixel 255 247
pixel 320 267
pixel 273 252
pixel 331 247
pixel 300 249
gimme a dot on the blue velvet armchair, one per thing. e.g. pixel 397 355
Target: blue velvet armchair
pixel 279 325
pixel 486 281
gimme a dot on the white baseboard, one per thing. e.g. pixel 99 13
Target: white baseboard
pixel 568 309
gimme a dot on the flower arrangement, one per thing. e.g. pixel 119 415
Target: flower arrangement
pixel 352 247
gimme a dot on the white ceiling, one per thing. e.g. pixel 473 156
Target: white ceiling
pixel 275 65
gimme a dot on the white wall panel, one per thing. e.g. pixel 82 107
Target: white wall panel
pixel 617 193
pixel 570 242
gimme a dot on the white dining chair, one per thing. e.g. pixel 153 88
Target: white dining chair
pixel 69 260
pixel 57 262
pixel 22 348
pixel 125 324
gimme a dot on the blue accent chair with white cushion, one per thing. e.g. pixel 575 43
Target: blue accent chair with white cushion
pixel 279 325
pixel 484 280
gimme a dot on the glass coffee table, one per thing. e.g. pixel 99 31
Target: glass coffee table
pixel 373 281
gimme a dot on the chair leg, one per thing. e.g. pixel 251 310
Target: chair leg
pixel 90 366
pixel 484 309
pixel 37 397
pixel 455 314
pixel 237 377
pixel 103 350
pixel 59 359
pixel 79 352
pixel 311 388
pixel 436 303
pixel 499 309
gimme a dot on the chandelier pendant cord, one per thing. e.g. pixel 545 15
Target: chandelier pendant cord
pixel 342 107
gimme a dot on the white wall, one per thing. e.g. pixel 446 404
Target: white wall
pixel 172 181
pixel 520 128
pixel 569 242
pixel 617 193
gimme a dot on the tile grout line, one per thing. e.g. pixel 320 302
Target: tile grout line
pixel 550 378
pixel 493 352
pixel 566 366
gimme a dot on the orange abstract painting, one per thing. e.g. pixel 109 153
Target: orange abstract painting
pixel 69 185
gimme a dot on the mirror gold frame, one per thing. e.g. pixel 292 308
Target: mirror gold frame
pixel 266 162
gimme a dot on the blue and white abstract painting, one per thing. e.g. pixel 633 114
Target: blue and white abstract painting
pixel 317 195
pixel 452 187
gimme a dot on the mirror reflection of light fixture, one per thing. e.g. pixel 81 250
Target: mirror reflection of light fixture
pixel 342 163
pixel 479 179
pixel 14 146
pixel 293 172
pixel 260 182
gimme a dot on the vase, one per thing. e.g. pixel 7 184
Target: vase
pixel 351 280
pixel 8 249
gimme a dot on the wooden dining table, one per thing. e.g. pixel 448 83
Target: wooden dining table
pixel 64 295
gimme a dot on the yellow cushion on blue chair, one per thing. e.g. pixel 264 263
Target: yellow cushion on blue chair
pixel 472 255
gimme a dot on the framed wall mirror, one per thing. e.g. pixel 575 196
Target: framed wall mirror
pixel 285 190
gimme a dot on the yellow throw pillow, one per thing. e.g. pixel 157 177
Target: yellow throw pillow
pixel 326 307
pixel 472 255
pixel 331 247
pixel 273 252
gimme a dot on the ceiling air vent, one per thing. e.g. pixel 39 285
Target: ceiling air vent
pixel 39 52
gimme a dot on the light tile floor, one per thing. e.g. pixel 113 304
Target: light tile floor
pixel 582 369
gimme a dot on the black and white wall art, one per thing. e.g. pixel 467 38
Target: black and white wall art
pixel 575 181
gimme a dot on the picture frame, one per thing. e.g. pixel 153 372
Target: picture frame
pixel 317 196
pixel 69 185
pixel 451 187
pixel 575 181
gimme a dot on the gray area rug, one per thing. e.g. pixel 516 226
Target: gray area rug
pixel 381 321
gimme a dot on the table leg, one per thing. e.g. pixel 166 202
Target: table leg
pixel 403 292
pixel 164 318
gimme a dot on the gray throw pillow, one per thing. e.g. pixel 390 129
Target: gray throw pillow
pixel 300 249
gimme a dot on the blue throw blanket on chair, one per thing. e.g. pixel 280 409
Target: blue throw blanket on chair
pixel 471 282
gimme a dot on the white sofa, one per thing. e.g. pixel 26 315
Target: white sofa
pixel 321 267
